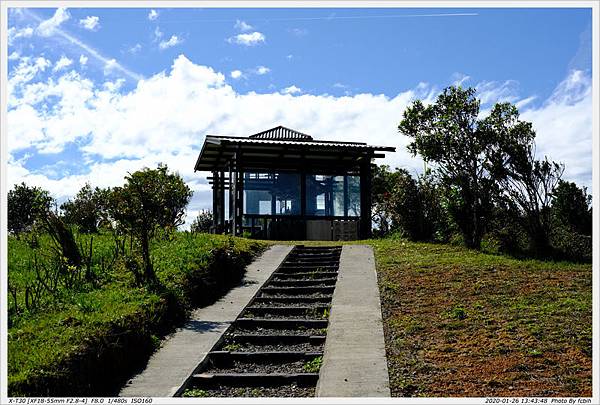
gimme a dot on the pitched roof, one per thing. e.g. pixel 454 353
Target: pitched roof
pixel 283 147
pixel 281 133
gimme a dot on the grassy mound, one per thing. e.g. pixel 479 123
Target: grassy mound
pixel 88 342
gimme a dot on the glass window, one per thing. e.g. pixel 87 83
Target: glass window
pixel 326 196
pixel 272 193
pixel 353 196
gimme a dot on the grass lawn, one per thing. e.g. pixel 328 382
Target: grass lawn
pixel 88 341
pixel 463 323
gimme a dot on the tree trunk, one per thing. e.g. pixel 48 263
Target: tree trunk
pixel 148 270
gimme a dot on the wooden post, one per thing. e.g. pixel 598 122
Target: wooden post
pixel 231 198
pixel 239 194
pixel 365 198
pixel 215 201
pixel 221 220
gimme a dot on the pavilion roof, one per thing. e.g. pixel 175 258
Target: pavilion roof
pixel 283 148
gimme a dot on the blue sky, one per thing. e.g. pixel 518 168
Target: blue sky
pixel 94 93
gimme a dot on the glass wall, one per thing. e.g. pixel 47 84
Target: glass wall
pixel 332 195
pixel 353 196
pixel 272 193
pixel 279 194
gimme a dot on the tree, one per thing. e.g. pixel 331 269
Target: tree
pixel 88 209
pixel 571 206
pixel 447 133
pixel 526 183
pixel 203 222
pixel 405 205
pixel 382 184
pixel 150 199
pixel 412 206
pixel 26 205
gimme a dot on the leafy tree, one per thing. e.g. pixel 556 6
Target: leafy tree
pixel 203 222
pixel 150 199
pixel 405 204
pixel 447 133
pixel 412 206
pixel 526 184
pixel 435 224
pixel 26 205
pixel 382 184
pixel 571 206
pixel 88 209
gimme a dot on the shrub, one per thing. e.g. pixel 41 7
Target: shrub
pixel 150 198
pixel 88 209
pixel 26 205
pixel 571 245
pixel 203 222
pixel 571 207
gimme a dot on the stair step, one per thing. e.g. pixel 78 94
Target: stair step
pixel 204 380
pixel 281 323
pixel 275 338
pixel 300 275
pixel 302 282
pixel 294 298
pixel 318 309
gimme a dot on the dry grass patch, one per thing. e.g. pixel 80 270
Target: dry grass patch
pixel 463 323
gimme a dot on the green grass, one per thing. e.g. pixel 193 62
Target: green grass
pixel 313 366
pixel 72 337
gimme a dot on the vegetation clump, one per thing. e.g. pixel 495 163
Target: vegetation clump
pixel 95 284
pixel 314 365
pixel 483 186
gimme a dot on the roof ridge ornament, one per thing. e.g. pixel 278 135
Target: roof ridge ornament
pixel 281 133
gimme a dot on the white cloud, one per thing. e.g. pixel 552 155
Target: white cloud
pixel 76 42
pixel 14 56
pixel 236 74
pixel 14 33
pixel 91 23
pixel 23 73
pixel 242 26
pixel 153 15
pixel 251 39
pixel 262 70
pixel 62 63
pixel 174 40
pixel 110 66
pixel 124 131
pixel 83 60
pixel 157 34
pixel 490 92
pixel 135 49
pixel 525 102
pixel 48 27
pixel 563 125
pixel 293 89
pixel 289 57
pixel 459 78
pixel 576 87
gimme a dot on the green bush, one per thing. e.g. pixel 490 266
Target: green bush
pixel 571 245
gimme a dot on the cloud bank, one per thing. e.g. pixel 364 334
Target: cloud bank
pixel 165 118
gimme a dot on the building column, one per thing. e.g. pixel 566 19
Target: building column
pixel 239 195
pixel 215 201
pixel 231 229
pixel 365 198
pixel 221 218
